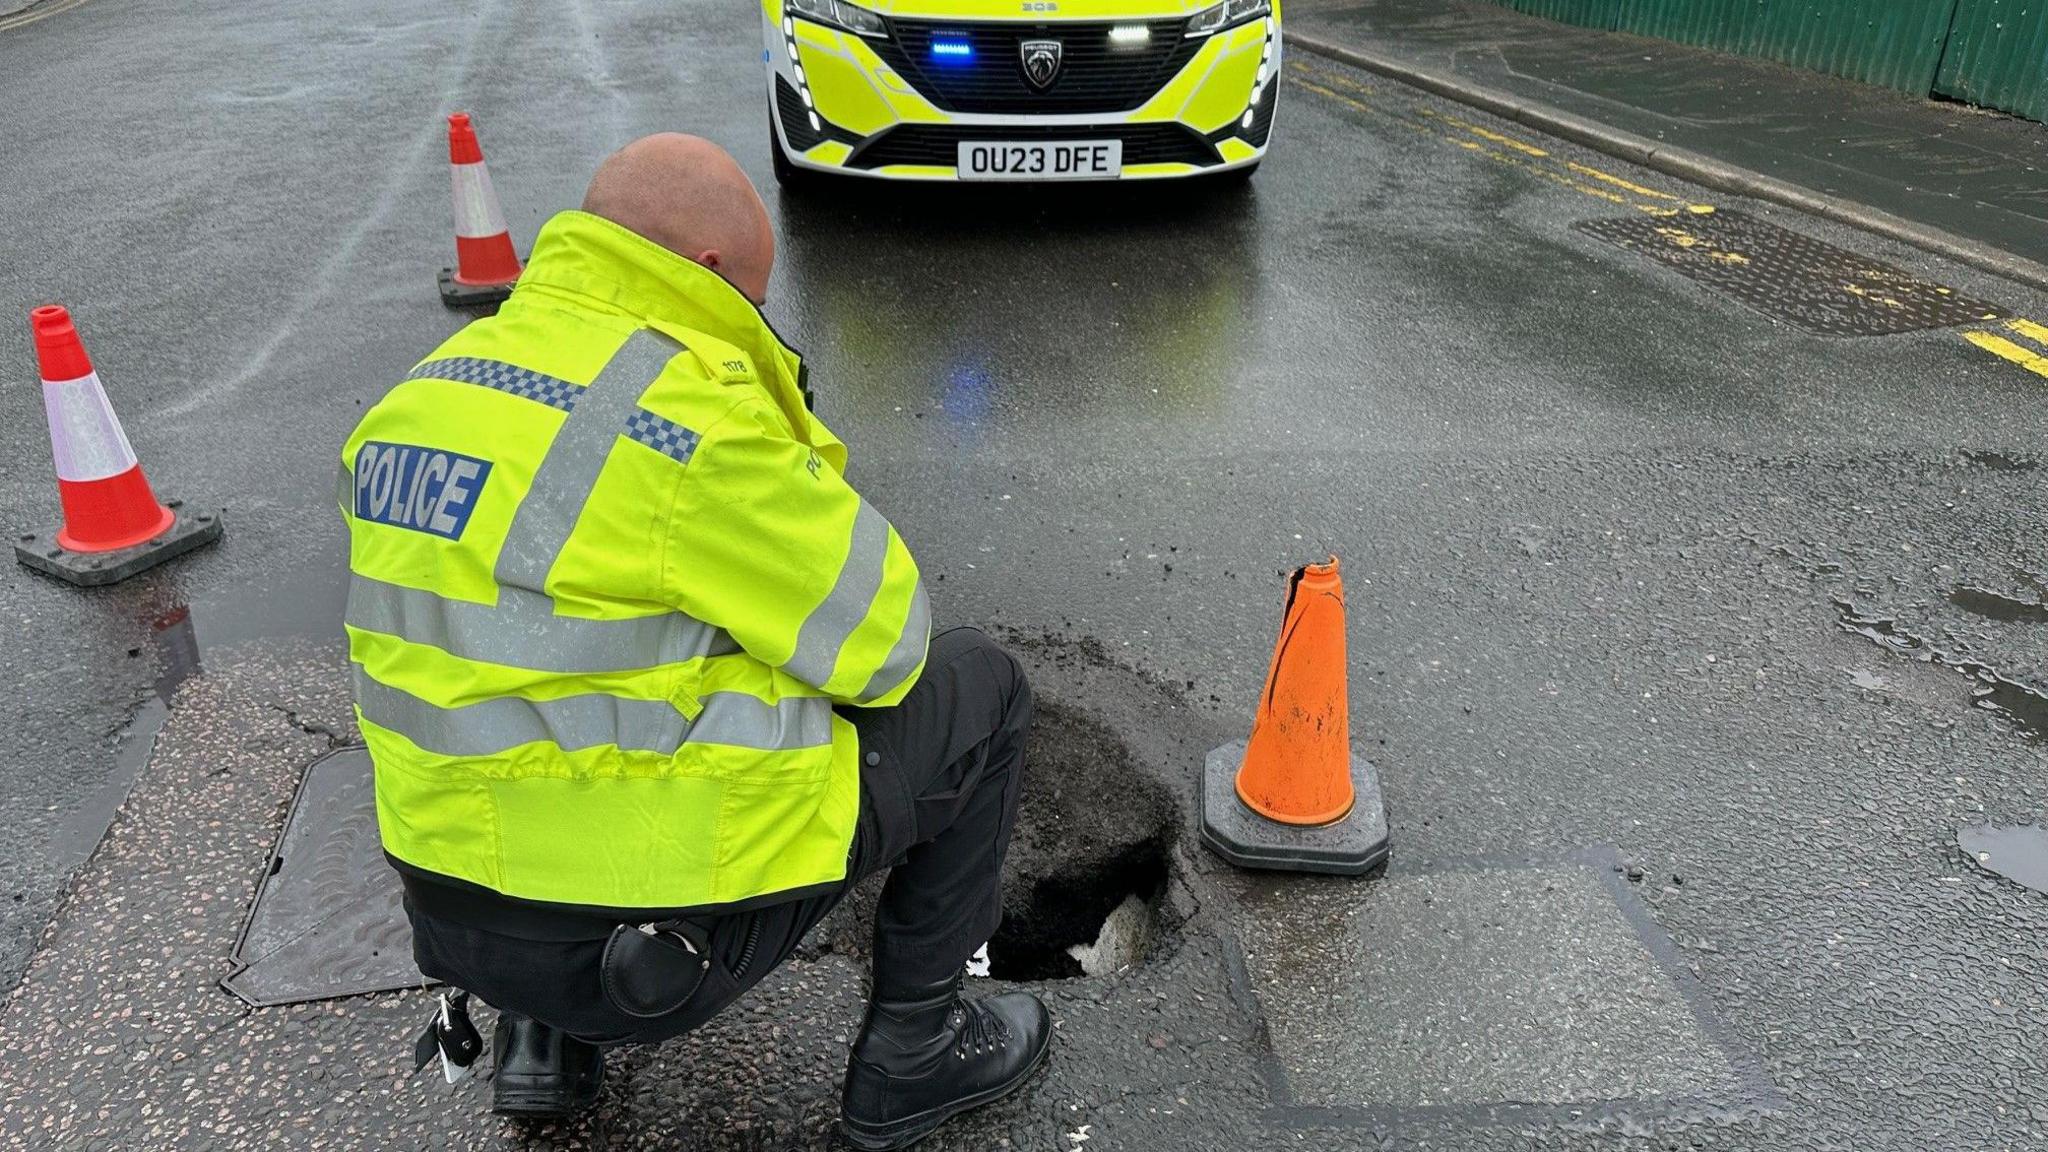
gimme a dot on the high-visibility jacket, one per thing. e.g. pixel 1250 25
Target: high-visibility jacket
pixel 608 583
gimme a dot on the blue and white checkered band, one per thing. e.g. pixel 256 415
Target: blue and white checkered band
pixel 661 434
pixel 508 378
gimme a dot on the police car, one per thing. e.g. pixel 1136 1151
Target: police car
pixel 1021 89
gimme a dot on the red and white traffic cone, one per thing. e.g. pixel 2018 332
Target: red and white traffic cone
pixel 113 525
pixel 485 264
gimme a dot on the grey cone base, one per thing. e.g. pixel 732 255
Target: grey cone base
pixel 1353 846
pixel 456 295
pixel 39 550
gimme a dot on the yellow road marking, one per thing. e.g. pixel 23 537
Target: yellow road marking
pixel 1336 78
pixel 1316 80
pixel 2029 329
pixel 1340 98
pixel 1484 134
pixel 1618 182
pixel 1664 205
pixel 2005 349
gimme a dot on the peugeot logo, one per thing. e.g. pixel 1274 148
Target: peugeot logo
pixel 1041 62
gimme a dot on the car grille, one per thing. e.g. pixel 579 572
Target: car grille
pixel 939 144
pixel 1095 75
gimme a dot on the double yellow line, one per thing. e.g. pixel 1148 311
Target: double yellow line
pixel 1608 187
pixel 2013 350
pixel 1498 146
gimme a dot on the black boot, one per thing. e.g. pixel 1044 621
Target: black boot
pixel 543 1073
pixel 927 1053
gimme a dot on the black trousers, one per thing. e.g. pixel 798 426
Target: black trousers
pixel 940 777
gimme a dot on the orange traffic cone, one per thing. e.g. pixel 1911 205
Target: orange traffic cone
pixel 113 525
pixel 1296 796
pixel 485 264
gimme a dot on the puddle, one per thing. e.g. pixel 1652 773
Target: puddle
pixel 2015 701
pixel 175 648
pixel 2024 707
pixel 179 635
pixel 1995 606
pixel 2019 853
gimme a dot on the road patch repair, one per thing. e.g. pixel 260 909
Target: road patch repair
pixel 1486 991
pixel 1197 1005
pixel 121 1033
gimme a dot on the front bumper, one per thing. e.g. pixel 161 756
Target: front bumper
pixel 876 108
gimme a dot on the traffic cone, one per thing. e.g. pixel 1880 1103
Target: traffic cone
pixel 485 264
pixel 113 525
pixel 1296 796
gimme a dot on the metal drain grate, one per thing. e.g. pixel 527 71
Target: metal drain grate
pixel 327 920
pixel 1819 287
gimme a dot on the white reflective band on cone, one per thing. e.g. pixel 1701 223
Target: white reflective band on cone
pixel 476 203
pixel 84 436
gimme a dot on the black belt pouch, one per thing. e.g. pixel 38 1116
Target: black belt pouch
pixel 651 970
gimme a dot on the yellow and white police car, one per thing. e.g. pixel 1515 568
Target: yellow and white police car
pixel 1021 89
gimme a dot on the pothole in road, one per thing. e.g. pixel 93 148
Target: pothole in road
pixel 1087 921
pixel 1091 861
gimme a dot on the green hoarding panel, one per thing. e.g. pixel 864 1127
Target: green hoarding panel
pixel 1585 13
pixel 1895 43
pixel 1722 24
pixel 1998 56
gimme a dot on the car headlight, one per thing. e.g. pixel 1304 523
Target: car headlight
pixel 840 14
pixel 1228 14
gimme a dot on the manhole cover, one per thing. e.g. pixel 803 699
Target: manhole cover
pixel 1816 286
pixel 327 920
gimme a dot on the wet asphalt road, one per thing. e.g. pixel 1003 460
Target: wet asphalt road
pixel 1602 528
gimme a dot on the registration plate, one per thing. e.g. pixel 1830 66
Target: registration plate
pixel 1041 160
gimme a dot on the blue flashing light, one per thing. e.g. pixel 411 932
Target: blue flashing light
pixel 952 51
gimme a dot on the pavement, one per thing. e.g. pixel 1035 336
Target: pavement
pixel 1686 634
pixel 1978 175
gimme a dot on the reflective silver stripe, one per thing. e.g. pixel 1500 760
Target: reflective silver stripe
pixel 909 650
pixel 826 630
pixel 491 727
pixel 563 483
pixel 522 630
pixel 744 721
pixel 345 490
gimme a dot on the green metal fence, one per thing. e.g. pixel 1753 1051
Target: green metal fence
pixel 1998 56
pixel 1989 52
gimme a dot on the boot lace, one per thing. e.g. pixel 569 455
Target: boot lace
pixel 977 1030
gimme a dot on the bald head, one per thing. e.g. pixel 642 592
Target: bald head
pixel 687 195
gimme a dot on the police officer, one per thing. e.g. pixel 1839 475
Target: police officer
pixel 647 685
